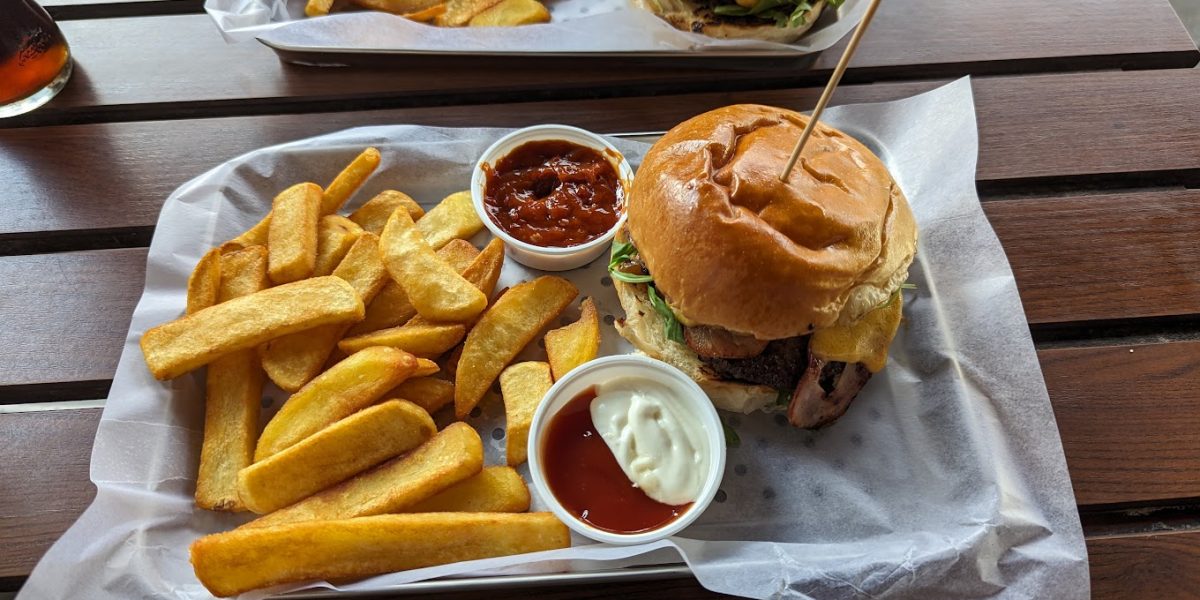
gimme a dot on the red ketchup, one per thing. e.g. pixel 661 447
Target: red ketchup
pixel 586 479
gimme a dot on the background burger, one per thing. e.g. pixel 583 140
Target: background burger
pixel 767 293
pixel 782 21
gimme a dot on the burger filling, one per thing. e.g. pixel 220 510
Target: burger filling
pixel 783 13
pixel 815 390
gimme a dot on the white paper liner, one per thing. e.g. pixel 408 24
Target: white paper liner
pixel 945 479
pixel 587 26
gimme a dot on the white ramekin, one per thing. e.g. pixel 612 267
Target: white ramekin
pixel 604 369
pixel 538 257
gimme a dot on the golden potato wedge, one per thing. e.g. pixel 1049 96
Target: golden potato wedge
pixel 427 15
pixel 404 7
pixel 509 13
pixel 349 386
pixel 435 289
pixel 178 346
pixel 317 8
pixel 420 340
pixel 233 395
pixel 292 237
pixel 450 362
pixel 572 345
pixel 349 180
pixel 244 559
pixel 425 368
pixel 391 307
pixel 335 236
pixel 483 273
pixel 373 215
pixel 513 320
pixel 494 489
pixel 430 393
pixel 522 386
pixel 334 454
pixel 449 457
pixel 204 282
pixel 459 12
pixel 293 360
pixel 453 217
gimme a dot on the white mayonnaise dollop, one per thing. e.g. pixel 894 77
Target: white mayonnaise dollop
pixel 660 446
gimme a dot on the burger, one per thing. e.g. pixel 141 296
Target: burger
pixel 782 21
pixel 770 294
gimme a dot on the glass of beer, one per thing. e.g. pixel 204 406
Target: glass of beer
pixel 35 61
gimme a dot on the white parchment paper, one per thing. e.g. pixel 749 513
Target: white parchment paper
pixel 945 479
pixel 576 26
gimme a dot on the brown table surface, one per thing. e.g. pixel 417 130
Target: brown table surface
pixel 1088 168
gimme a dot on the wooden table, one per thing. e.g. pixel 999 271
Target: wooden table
pixel 1088 168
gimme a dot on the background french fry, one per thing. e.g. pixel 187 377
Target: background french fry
pixel 373 215
pixel 204 282
pixel 255 236
pixel 435 289
pixel 514 319
pixel 453 217
pixel 430 393
pixel 317 8
pixel 391 307
pixel 233 392
pixel 292 233
pixel 244 559
pixel 509 13
pixel 425 368
pixel 178 346
pixel 335 235
pixel 403 7
pixel 334 454
pixel 420 340
pixel 449 457
pixel 572 345
pixel 293 360
pixel 522 386
pixel 348 386
pixel 349 180
pixel 494 489
pixel 459 12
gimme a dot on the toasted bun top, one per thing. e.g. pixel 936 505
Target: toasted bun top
pixel 697 17
pixel 730 245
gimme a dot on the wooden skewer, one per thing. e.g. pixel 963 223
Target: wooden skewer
pixel 829 87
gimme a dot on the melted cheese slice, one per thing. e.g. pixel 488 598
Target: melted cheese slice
pixel 866 341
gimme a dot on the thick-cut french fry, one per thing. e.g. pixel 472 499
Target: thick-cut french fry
pixel 425 368
pixel 255 236
pixel 459 12
pixel 572 345
pixel 509 13
pixel 349 180
pixel 293 360
pixel 449 457
pixel 244 559
pixel 512 322
pixel 348 386
pixel 233 395
pixel 453 217
pixel 427 15
pixel 204 281
pixel 435 289
pixel 522 386
pixel 494 489
pixel 430 393
pixel 391 307
pixel 421 340
pixel 334 454
pixel 404 8
pixel 317 8
pixel 178 346
pixel 373 215
pixel 483 273
pixel 450 362
pixel 292 237
pixel 335 235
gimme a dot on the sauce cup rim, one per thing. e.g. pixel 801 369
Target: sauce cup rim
pixel 550 131
pixel 706 413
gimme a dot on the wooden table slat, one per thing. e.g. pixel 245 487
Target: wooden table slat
pixel 120 173
pixel 183 60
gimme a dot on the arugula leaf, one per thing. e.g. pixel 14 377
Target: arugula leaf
pixel 621 251
pixel 785 13
pixel 784 398
pixel 731 437
pixel 673 329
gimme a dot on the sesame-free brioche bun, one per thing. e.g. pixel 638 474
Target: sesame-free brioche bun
pixel 697 17
pixel 732 246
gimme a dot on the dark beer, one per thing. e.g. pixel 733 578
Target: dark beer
pixel 33 52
